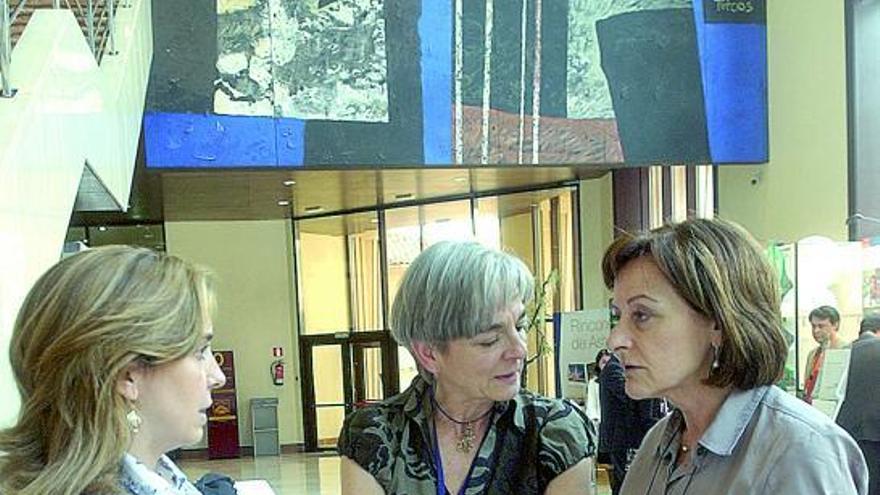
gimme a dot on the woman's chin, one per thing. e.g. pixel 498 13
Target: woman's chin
pixel 635 392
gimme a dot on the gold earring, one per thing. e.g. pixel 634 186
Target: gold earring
pixel 134 420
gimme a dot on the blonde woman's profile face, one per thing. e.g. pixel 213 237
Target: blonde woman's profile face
pixel 173 398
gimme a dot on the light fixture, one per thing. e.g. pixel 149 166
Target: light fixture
pixel 374 220
pixel 289 182
pixel 314 209
pixel 460 179
pixel 404 196
pixel 283 202
pixel 102 228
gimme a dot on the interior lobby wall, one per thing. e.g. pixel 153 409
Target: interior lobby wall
pixel 803 189
pixel 256 310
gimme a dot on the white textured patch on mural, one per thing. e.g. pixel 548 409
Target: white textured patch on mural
pixel 588 96
pixel 244 61
pixel 330 61
pixel 306 59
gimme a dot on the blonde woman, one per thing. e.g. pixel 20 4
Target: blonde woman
pixel 111 352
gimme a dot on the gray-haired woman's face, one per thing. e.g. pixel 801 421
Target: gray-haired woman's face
pixel 488 365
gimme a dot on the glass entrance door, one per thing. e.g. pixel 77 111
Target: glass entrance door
pixel 349 370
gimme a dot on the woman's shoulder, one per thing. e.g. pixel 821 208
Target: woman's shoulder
pixel 787 412
pixel 378 419
pixel 551 416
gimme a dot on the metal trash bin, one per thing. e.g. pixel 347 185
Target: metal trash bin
pixel 264 426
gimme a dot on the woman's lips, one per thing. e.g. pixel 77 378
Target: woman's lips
pixel 508 377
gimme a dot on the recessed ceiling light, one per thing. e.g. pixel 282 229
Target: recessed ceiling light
pixel 283 202
pixel 404 196
pixel 289 183
pixel 102 228
pixel 460 179
pixel 374 220
pixel 314 209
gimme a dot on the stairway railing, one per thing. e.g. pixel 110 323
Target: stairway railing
pixel 98 17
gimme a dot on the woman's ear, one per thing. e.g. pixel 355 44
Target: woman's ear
pixel 128 382
pixel 426 354
pixel 715 335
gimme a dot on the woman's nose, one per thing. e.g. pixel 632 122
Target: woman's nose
pixel 517 347
pixel 216 378
pixel 617 338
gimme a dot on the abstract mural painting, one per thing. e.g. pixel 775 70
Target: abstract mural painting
pixel 340 83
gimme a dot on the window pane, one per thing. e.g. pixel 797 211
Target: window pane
pixel 329 424
pixel 323 278
pixel 327 364
pixel 365 264
pixel 410 230
pixel 340 264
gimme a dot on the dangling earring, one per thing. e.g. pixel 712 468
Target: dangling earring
pixel 134 420
pixel 715 352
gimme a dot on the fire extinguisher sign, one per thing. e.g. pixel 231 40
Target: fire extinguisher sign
pixel 277 352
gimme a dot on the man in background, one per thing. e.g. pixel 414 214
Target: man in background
pixel 825 322
pixel 860 412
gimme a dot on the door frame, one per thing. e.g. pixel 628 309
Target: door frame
pixel 346 340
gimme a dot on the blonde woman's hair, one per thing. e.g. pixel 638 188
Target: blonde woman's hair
pixel 82 324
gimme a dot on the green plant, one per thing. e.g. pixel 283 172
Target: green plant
pixel 537 313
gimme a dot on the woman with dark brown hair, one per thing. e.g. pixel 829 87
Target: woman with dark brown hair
pixel 699 325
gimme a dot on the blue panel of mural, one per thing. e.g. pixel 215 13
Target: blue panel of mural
pixel 341 83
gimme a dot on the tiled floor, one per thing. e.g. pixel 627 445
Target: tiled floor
pixel 292 474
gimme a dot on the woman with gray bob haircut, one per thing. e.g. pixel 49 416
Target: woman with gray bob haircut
pixel 464 424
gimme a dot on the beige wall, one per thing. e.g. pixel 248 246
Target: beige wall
pixel 256 294
pixel 597 232
pixel 803 189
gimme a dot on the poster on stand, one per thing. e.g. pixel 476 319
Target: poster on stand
pixel 579 336
pixel 831 384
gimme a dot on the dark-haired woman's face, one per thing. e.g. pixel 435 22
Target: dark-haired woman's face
pixel 664 345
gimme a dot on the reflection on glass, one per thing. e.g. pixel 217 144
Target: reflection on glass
pixel 411 230
pixel 323 280
pixel 408 369
pixel 340 262
pixel 372 374
pixel 330 420
pixel 538 227
pixel 327 365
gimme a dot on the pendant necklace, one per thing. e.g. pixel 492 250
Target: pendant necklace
pixel 467 434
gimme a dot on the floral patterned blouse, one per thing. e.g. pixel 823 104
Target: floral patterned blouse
pixel 530 441
pixel 137 479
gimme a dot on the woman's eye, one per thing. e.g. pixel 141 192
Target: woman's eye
pixel 640 316
pixel 489 343
pixel 204 352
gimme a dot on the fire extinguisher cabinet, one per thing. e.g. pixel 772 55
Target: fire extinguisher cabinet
pixel 264 426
